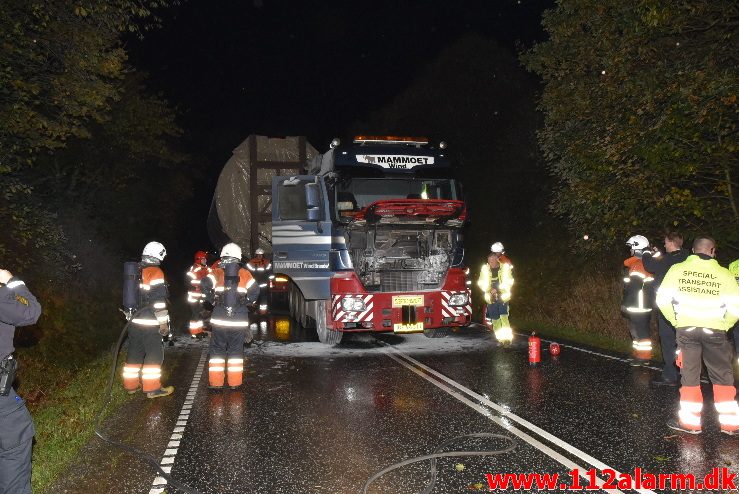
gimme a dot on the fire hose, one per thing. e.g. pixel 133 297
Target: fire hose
pixel 123 446
pixel 438 453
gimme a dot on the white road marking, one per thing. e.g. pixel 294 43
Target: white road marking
pixel 423 371
pixel 591 352
pixel 159 485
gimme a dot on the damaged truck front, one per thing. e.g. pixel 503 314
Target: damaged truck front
pixel 365 237
pixel 371 240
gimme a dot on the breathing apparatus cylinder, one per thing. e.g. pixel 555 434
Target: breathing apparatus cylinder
pixel 131 287
pixel 230 284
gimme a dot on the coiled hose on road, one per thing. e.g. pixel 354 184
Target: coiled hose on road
pixel 438 453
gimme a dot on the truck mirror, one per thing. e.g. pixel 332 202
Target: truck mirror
pixel 314 214
pixel 312 196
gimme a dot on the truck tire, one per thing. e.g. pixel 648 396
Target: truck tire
pixel 325 335
pixel 436 332
pixel 291 301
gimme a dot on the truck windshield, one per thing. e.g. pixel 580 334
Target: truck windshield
pixel 357 193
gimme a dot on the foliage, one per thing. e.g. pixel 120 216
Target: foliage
pixel 62 68
pixel 640 104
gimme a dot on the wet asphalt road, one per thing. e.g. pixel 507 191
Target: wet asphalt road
pixel 317 419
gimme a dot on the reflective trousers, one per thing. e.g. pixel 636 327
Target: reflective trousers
pixel 226 356
pixel 713 348
pixel 144 359
pixel 640 334
pixel 496 309
pixel 16 440
pixel 196 318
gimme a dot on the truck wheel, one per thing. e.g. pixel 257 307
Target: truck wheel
pixel 291 302
pixel 325 335
pixel 436 332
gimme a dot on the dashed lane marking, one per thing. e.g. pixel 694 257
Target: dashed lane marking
pixel 159 484
pixel 506 416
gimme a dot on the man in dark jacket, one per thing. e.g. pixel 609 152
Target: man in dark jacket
pixel 18 307
pixel 658 264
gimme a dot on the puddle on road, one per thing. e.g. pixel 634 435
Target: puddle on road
pixel 283 337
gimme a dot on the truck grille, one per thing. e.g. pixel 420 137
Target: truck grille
pixel 403 281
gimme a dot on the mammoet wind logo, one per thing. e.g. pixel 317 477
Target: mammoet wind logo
pixel 402 162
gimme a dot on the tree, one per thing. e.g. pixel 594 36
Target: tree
pixel 61 69
pixel 641 116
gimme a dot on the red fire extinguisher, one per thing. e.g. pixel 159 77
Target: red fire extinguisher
pixel 534 349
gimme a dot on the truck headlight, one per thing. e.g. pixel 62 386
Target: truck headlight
pixel 352 304
pixel 458 299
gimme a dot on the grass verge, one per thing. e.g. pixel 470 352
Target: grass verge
pixel 65 421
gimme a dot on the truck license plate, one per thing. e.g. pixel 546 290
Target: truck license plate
pixel 408 328
pixel 401 300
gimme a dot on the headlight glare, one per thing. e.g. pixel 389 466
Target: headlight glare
pixel 458 299
pixel 352 304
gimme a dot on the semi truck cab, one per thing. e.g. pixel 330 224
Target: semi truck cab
pixel 370 239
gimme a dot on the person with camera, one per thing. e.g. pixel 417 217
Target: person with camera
pixel 18 307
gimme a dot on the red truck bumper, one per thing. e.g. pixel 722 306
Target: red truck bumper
pixel 400 312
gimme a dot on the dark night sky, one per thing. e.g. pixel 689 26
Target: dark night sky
pixel 286 67
pixel 279 67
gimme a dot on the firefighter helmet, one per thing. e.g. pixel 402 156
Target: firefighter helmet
pixel 638 242
pixel 259 252
pixel 155 250
pixel 231 250
pixel 497 248
pixel 201 257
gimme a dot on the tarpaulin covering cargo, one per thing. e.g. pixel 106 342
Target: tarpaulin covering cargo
pixel 242 208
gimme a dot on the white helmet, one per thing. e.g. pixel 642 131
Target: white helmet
pixel 154 249
pixel 497 248
pixel 638 242
pixel 259 252
pixel 231 250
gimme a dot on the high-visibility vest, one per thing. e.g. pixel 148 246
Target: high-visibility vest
pixel 699 292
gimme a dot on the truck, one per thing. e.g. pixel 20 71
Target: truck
pixel 366 237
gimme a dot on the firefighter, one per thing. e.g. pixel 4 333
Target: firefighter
pixel 148 326
pixel 18 307
pixel 229 287
pixel 195 274
pixel 657 263
pixel 261 269
pixel 496 282
pixel 701 299
pixel 636 304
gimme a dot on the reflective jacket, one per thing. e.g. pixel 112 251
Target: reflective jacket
pixel 698 292
pixel 153 290
pixel 500 278
pixel 213 288
pixel 638 287
pixel 261 269
pixel 18 307
pixel 195 274
pixel 734 269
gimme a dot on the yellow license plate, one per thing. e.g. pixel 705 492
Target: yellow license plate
pixel 401 300
pixel 408 328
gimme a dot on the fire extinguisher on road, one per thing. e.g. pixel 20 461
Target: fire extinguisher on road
pixel 534 349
